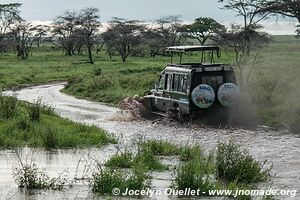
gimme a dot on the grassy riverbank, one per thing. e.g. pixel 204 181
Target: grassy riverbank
pixel 35 125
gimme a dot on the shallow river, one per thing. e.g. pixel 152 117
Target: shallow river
pixel 282 149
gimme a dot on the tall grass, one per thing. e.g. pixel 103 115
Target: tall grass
pixel 196 172
pixel 51 131
pixel 8 107
pixel 234 164
pixel 105 180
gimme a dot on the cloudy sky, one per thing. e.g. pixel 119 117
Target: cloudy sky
pixel 46 10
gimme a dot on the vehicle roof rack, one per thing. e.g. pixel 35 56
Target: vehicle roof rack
pixel 192 48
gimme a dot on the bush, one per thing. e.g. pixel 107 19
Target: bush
pixel 160 148
pixel 48 136
pixel 105 180
pixel 234 164
pixel 29 176
pixel 101 83
pixel 123 160
pixel 35 111
pixel 190 153
pixel 8 107
pixel 97 71
pixel 148 160
pixel 194 174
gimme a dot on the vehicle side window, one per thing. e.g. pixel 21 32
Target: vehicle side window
pixel 180 83
pixel 184 83
pixel 161 83
pixel 168 82
pixel 176 82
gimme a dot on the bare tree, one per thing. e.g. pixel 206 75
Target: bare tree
pixel 9 14
pixel 89 25
pixel 123 35
pixel 169 27
pixel 24 38
pixel 155 41
pixel 64 31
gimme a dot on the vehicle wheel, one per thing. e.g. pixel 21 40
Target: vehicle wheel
pixel 179 115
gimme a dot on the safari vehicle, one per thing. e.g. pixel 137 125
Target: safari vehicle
pixel 193 88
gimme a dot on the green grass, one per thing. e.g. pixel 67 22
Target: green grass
pixel 146 156
pixel 105 180
pixel 50 131
pixel 233 164
pixel 272 86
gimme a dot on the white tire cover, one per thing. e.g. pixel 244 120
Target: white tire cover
pixel 229 94
pixel 203 96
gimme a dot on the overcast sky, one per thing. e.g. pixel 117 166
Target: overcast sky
pixel 46 10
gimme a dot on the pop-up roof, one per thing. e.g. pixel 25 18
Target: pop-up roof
pixel 192 48
pixel 184 49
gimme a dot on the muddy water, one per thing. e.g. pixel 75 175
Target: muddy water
pixel 280 148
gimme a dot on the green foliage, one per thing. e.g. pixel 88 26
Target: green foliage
pixel 8 107
pixel 123 160
pixel 105 180
pixel 35 111
pixel 146 156
pixel 160 148
pixel 190 153
pixel 29 176
pixel 196 173
pixel 51 131
pixel 48 136
pixel 236 165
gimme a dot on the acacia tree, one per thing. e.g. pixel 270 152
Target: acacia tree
pixel 154 39
pixel 40 31
pixel 89 25
pixel 234 38
pixel 123 36
pixel 169 28
pixel 64 31
pixel 250 11
pixel 288 8
pixel 9 14
pixel 24 38
pixel 202 29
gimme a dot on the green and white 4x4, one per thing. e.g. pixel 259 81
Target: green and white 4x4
pixel 194 88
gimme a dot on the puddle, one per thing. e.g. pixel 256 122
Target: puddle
pixel 280 148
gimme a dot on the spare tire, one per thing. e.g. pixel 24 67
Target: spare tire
pixel 203 96
pixel 229 94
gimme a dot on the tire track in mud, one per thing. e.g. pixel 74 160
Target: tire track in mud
pixel 280 148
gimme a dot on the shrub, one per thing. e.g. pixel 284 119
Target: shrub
pixel 101 83
pixel 160 148
pixel 8 107
pixel 97 71
pixel 23 123
pixel 123 160
pixel 190 153
pixel 29 176
pixel 105 180
pixel 193 174
pixel 35 111
pixel 146 158
pixel 234 164
pixel 48 136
